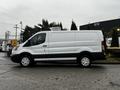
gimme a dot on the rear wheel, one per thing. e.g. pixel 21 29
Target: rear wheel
pixel 26 61
pixel 84 61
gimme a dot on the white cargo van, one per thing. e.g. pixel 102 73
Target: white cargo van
pixel 82 46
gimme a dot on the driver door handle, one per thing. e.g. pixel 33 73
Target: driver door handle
pixel 44 46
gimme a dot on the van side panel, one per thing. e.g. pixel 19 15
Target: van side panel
pixel 61 42
pixel 88 41
pixel 74 42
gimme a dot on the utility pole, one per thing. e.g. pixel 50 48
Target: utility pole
pixel 21 25
pixel 16 27
pixel 21 34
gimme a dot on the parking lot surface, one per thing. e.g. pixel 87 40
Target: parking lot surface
pixel 47 76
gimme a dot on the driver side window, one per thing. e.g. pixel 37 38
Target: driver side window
pixel 37 39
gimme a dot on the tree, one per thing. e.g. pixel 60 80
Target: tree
pixel 36 29
pixel 53 24
pixel 115 42
pixel 27 33
pixel 73 26
pixel 45 25
pixel 61 26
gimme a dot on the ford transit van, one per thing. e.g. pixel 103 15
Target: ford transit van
pixel 82 46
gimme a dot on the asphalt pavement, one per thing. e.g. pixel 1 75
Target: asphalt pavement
pixel 45 76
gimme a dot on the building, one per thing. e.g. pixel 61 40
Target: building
pixel 105 26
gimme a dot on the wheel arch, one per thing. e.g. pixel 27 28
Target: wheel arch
pixel 85 53
pixel 26 53
pixel 82 55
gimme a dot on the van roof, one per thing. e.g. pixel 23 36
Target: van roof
pixel 90 31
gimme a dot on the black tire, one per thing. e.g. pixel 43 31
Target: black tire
pixel 84 61
pixel 26 61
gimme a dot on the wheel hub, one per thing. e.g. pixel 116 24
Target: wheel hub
pixel 25 61
pixel 85 61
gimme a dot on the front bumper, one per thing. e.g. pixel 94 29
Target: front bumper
pixel 15 58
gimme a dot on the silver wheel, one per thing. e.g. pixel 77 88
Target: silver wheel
pixel 25 61
pixel 85 61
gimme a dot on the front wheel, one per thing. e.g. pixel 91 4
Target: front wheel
pixel 26 61
pixel 84 61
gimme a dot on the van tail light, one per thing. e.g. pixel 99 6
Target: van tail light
pixel 103 46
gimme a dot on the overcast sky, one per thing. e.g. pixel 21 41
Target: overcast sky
pixel 31 12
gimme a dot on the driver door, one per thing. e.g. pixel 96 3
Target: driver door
pixel 36 44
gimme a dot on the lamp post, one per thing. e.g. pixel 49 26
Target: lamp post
pixel 118 29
